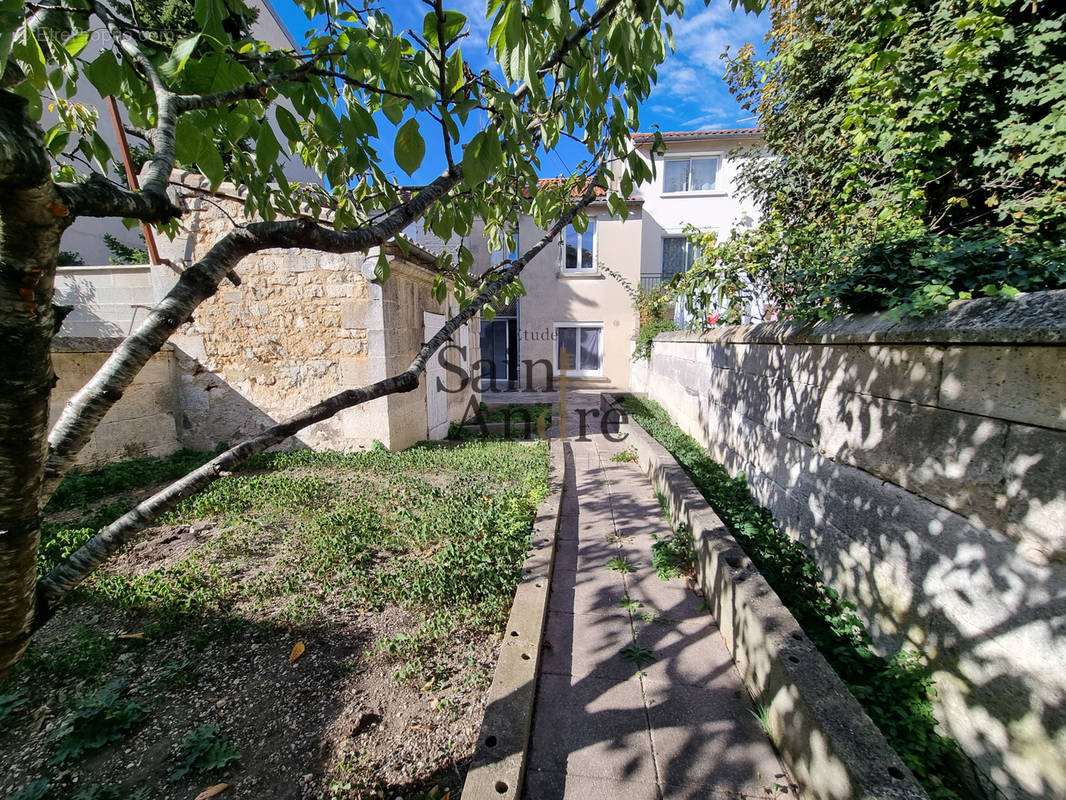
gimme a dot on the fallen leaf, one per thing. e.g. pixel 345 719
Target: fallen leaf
pixel 297 651
pixel 434 703
pixel 211 791
pixel 420 727
pixel 131 635
pixel 427 686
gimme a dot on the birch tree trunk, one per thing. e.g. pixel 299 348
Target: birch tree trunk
pixel 32 218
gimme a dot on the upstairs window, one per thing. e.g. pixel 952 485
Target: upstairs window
pixel 682 175
pixel 578 252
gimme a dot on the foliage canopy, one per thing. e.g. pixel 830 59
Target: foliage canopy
pixel 918 156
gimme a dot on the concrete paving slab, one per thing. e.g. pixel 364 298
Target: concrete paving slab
pixel 595 728
pixel 588 592
pixel 545 785
pixel 709 737
pixel 584 645
pixel 687 652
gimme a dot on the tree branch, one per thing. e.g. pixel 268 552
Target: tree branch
pixel 68 574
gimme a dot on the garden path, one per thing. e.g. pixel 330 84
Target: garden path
pixel 610 722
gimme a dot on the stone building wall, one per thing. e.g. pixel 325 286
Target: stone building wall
pixel 923 463
pixel 303 326
pixel 141 423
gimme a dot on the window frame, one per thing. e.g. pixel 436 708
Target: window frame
pixel 577 372
pixel 579 270
pixel 717 190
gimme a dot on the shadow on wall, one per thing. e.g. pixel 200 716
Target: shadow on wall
pixel 943 525
pixel 83 320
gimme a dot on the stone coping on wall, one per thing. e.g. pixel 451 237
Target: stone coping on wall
pixel 1033 318
pixel 93 344
pixel 829 744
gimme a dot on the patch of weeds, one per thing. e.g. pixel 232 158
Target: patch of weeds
pixel 202 750
pixel 651 618
pixel 638 655
pixel 625 456
pixel 620 564
pixel 674 556
pixel 762 714
pixel 78 490
pixel 897 691
pixel 97 721
pixel 36 790
pixel 615 538
pixel 629 604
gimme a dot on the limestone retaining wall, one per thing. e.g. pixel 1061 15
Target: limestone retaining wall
pixel 923 463
pixel 141 423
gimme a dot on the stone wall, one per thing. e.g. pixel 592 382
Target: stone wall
pixel 303 326
pixel 922 463
pixel 141 423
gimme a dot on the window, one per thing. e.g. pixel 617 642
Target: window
pixel 578 252
pixel 678 255
pixel 579 348
pixel 690 175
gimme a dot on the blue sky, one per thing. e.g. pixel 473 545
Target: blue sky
pixel 690 95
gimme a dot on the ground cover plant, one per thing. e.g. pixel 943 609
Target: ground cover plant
pixel 895 691
pixel 315 625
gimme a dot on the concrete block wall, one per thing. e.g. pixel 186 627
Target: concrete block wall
pixel 107 301
pixel 922 463
pixel 141 423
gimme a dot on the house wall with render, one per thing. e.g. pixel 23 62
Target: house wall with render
pixel 922 463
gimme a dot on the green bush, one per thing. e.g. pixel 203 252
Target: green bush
pixel 647 333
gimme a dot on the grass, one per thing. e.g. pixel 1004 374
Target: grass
pixel 441 530
pixel 625 456
pixel 517 413
pixel 897 691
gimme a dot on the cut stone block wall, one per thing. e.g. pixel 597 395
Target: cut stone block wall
pixel 923 464
pixel 141 423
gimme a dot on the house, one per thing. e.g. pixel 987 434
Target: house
pixel 578 320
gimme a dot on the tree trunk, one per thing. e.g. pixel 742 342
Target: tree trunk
pixel 32 219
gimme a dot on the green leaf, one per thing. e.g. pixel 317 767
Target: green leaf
pixel 381 268
pixel 481 157
pixel 76 43
pixel 266 149
pixel 211 166
pixel 454 22
pixel 182 50
pixel 409 149
pixel 288 123
pixel 105 74
pixel 189 141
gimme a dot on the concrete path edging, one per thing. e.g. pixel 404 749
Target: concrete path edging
pixel 831 747
pixel 497 770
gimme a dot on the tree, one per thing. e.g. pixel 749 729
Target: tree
pixel 563 72
pixel 919 156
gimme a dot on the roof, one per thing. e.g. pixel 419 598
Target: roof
pixel 577 191
pixel 694 136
